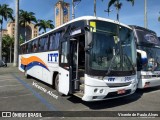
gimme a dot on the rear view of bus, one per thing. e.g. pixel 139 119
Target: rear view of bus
pixel 148 57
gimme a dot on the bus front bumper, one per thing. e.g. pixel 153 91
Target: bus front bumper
pixel 93 93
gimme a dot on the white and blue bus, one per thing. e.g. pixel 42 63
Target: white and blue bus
pixel 93 58
pixel 148 57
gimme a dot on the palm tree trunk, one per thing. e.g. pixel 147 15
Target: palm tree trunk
pixel 16 35
pixel 10 58
pixel 1 43
pixel 94 7
pixel 25 31
pixel 1 40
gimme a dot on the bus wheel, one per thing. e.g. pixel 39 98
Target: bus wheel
pixel 57 85
pixel 25 73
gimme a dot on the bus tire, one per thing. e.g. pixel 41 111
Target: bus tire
pixel 25 73
pixel 57 85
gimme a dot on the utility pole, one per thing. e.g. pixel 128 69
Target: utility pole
pixel 145 14
pixel 74 4
pixel 73 16
pixel 16 41
pixel 62 14
pixel 94 7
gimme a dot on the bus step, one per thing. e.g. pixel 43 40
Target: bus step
pixel 82 80
pixel 79 94
pixel 82 88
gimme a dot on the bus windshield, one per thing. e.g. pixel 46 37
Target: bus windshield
pixel 153 57
pixel 110 50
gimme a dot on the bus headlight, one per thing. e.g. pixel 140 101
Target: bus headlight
pixel 101 91
pixel 95 90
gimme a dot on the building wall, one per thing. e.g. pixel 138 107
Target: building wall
pixel 4 32
pixel 11 29
pixel 61 16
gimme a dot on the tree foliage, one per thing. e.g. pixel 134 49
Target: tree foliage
pixel 43 24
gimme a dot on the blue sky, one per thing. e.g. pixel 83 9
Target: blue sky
pixel 44 9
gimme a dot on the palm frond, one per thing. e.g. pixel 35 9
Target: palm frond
pixel 111 2
pixel 132 1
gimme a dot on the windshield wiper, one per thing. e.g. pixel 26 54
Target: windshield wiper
pixel 129 61
pixel 109 69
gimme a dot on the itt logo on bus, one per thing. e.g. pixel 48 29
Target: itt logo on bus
pixel 52 57
pixel 111 79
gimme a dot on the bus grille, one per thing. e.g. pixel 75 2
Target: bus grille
pixel 118 84
pixel 114 94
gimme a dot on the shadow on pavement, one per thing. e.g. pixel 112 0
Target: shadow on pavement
pixel 113 102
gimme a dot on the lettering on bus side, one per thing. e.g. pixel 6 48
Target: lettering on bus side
pixel 128 79
pixel 53 57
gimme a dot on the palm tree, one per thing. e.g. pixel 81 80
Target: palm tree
pixel 118 5
pixel 43 24
pixel 5 13
pixel 26 17
pixel 9 41
pixel 16 47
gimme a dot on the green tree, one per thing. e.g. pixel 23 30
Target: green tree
pixel 117 5
pixel 8 43
pixel 43 24
pixel 5 14
pixel 26 17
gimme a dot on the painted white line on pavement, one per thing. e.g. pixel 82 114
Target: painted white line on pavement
pixel 11 85
pixel 8 80
pixel 15 96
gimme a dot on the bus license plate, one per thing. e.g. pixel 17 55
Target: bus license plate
pixel 121 91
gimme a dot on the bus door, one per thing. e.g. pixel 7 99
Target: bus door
pixel 64 68
pixel 77 60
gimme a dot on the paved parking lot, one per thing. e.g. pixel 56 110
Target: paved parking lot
pixel 20 94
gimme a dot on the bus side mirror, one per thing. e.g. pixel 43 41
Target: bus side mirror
pixel 89 31
pixel 142 57
pixel 87 50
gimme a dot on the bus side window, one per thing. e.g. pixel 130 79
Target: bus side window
pixel 23 50
pixel 51 42
pixel 45 43
pixel 139 63
pixel 30 47
pixel 27 48
pixel 57 39
pixel 64 53
pixel 41 44
pixel 34 45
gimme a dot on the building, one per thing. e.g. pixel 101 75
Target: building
pixel 31 31
pixel 4 32
pixel 61 15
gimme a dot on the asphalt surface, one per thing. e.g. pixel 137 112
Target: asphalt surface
pixel 20 94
